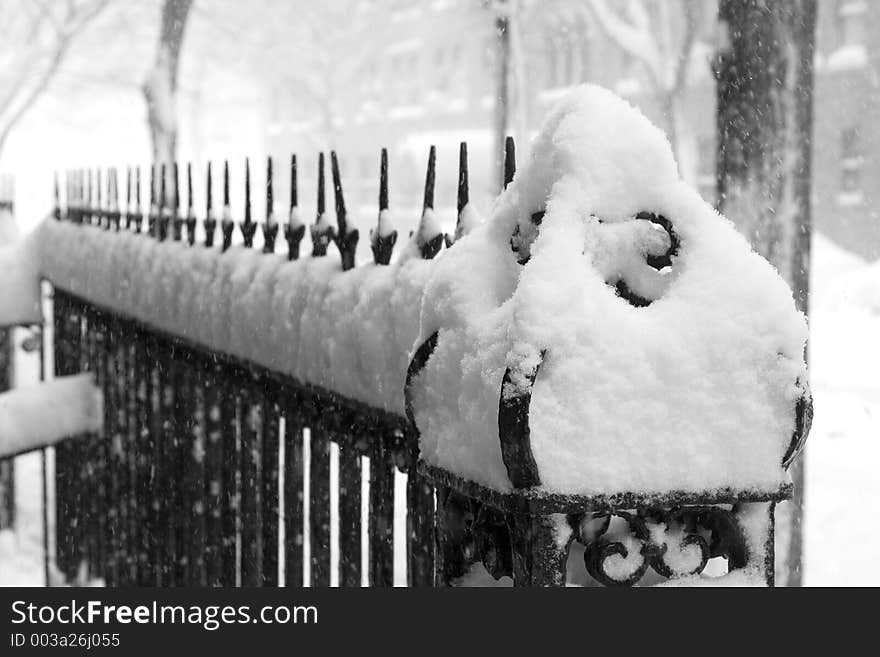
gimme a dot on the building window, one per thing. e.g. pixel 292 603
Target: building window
pixel 447 68
pixel 850 22
pixel 851 160
pixel 405 77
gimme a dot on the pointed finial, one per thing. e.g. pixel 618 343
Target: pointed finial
pixel 139 212
pixel 429 179
pixel 248 227
pixel 270 200
pixel 98 208
pixel 270 228
pixel 177 220
pixel 113 193
pixel 226 183
pixel 210 222
pixel 294 201
pixel 509 161
pixel 428 237
pixel 127 215
pixel 190 207
pixel 322 231
pixel 162 223
pixel 346 240
pixel 383 237
pixel 463 191
pixel 463 194
pixel 295 229
pixel 321 207
pixel 227 225
pixel 56 212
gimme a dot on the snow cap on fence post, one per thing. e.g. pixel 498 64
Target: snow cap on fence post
pixel 210 222
pixel 295 229
pixel 270 228
pixel 248 226
pixel 190 207
pixel 428 238
pixel 226 225
pixel 321 230
pixel 383 237
pixel 467 217
pixel 346 238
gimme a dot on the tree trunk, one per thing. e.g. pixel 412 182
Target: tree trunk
pixel 160 88
pixel 765 115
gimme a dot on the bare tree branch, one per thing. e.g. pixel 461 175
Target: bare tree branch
pixel 77 18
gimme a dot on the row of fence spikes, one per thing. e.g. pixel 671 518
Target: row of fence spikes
pixel 427 238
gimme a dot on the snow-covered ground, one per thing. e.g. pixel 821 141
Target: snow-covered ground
pixel 843 454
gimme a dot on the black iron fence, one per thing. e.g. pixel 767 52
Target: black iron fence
pixel 212 471
pixel 7 466
pixel 215 471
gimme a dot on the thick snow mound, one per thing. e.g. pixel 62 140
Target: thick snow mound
pixel 695 391
pixel 350 332
pixel 41 415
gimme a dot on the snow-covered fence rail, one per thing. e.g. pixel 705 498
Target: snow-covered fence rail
pixel 219 409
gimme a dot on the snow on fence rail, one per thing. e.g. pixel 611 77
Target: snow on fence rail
pixel 670 401
pixel 201 469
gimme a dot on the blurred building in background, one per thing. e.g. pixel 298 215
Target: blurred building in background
pixel 846 155
pixel 272 77
pixel 428 74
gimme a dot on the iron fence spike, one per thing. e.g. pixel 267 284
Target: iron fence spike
pixel 509 160
pixel 294 201
pixel 429 179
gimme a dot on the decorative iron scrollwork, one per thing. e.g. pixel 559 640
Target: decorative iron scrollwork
pixel 513 427
pixel 621 546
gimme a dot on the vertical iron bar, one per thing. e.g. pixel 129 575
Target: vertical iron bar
pixel 319 505
pixel 213 475
pixel 251 518
pixel 295 230
pixel 381 529
pixel 270 481
pixel 293 494
pixel 349 507
pixel 229 442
